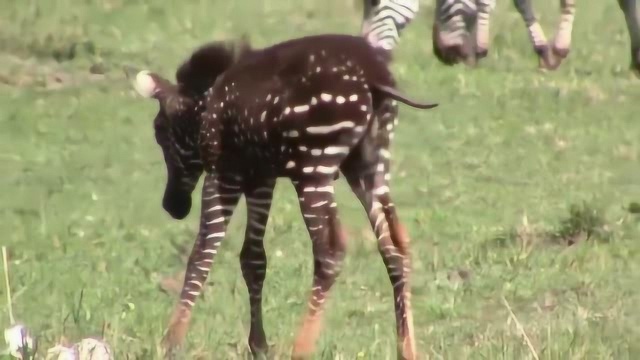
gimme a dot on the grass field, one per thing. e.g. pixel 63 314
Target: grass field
pixel 482 182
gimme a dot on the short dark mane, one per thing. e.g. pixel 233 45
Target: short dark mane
pixel 198 72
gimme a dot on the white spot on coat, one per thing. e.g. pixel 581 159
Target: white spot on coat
pixel 301 108
pixel 330 128
pixel 332 150
pixel 326 169
pixel 326 97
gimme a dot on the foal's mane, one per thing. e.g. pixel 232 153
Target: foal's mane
pixel 200 70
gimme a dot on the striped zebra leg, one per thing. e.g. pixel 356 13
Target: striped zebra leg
pixel 393 244
pixel 253 260
pixel 369 181
pixel 536 34
pixel 219 198
pixel 450 36
pixel 328 241
pixel 632 18
pixel 562 41
pixel 384 20
pixel 482 27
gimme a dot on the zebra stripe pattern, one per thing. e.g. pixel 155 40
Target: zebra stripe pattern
pixel 454 21
pixel 550 57
pixel 384 20
pixel 332 108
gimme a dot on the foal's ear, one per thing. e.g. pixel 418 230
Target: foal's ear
pixel 149 84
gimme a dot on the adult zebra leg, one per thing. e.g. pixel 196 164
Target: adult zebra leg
pixel 328 242
pixel 384 20
pixel 450 38
pixel 219 198
pixel 632 18
pixel 253 260
pixel 482 27
pixel 536 34
pixel 562 41
pixel 393 244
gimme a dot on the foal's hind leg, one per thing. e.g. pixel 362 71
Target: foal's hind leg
pixel 253 260
pixel 370 182
pixel 393 244
pixel 328 243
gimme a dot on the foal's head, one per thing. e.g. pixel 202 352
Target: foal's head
pixel 177 123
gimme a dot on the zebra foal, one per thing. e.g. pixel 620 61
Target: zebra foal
pixel 304 109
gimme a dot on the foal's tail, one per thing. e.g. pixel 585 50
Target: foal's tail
pixel 397 95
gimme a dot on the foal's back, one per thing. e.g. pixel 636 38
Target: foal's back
pixel 298 107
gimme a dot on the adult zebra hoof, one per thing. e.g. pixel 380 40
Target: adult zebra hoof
pixel 481 53
pixel 635 61
pixel 561 53
pixel 546 60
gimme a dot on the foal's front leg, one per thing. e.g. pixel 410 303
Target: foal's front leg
pixel 219 198
pixel 253 260
pixel 328 242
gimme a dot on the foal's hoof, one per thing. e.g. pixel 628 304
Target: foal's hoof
pixel 302 350
pixel 176 332
pixel 170 347
pixel 259 350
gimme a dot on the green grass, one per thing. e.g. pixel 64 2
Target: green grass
pixel 82 180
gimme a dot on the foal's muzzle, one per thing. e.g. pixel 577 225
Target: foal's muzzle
pixel 177 203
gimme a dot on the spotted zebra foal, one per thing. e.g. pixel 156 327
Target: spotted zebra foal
pixel 305 109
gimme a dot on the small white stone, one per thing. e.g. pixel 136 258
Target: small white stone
pixel 17 337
